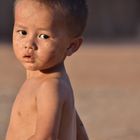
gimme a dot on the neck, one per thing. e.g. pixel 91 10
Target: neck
pixel 53 72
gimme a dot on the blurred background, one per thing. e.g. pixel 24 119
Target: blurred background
pixel 105 72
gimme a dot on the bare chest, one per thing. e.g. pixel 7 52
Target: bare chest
pixel 23 115
pixel 24 107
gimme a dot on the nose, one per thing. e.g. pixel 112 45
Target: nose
pixel 30 44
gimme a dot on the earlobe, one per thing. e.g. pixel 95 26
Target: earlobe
pixel 74 46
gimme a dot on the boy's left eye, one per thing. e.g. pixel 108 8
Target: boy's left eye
pixel 43 36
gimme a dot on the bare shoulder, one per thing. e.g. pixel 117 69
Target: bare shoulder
pixel 50 99
pixel 53 89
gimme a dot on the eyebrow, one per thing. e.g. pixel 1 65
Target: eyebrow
pixel 43 29
pixel 20 26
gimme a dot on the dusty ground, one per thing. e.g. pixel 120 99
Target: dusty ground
pixel 106 81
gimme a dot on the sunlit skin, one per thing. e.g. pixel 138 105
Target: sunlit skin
pixel 44 107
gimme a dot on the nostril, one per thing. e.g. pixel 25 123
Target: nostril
pixel 31 47
pixel 28 47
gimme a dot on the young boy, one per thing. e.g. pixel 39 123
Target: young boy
pixel 45 33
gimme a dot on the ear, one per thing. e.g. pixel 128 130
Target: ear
pixel 74 46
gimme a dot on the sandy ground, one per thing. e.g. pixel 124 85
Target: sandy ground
pixel 106 81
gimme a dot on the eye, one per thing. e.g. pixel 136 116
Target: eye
pixel 43 36
pixel 22 32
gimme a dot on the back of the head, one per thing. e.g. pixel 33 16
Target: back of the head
pixel 74 13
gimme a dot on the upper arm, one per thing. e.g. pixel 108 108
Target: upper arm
pixel 49 107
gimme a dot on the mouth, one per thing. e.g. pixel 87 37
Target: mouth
pixel 28 58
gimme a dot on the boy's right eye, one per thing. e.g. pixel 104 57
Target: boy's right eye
pixel 22 32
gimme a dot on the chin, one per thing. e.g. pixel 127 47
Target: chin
pixel 30 67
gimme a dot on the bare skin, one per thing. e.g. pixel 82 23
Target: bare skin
pixel 44 107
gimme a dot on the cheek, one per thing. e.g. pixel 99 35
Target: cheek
pixel 48 55
pixel 17 49
pixel 51 57
pixel 47 49
pixel 52 52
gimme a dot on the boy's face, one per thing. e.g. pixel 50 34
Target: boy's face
pixel 40 38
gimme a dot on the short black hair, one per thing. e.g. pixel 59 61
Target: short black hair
pixel 75 13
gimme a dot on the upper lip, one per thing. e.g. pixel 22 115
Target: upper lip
pixel 28 57
pixel 26 54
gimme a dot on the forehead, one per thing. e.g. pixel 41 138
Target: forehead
pixel 37 12
pixel 28 8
